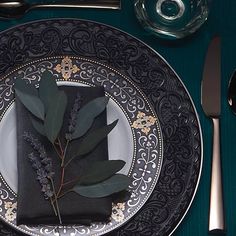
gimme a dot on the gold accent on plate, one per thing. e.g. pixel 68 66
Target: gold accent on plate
pixel 66 68
pixel 118 212
pixel 144 122
pixel 10 208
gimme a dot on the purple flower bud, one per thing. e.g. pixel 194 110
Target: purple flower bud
pixel 41 163
pixel 73 116
pixel 43 181
pixel 41 173
pixel 46 189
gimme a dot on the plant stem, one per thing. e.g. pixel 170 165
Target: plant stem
pixel 52 203
pixel 58 210
pixel 60 146
pixel 57 206
pixel 55 148
pixel 68 162
pixel 62 166
pixel 64 154
pixel 63 194
pixel 71 181
pixel 62 181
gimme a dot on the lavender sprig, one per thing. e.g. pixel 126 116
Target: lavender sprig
pixel 44 170
pixel 73 116
pixel 43 175
pixel 43 162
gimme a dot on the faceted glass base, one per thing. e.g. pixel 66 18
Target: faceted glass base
pixel 172 18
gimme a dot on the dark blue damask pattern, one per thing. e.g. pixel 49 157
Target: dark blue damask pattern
pixel 180 127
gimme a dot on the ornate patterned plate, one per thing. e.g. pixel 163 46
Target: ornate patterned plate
pixel 137 134
pixel 107 50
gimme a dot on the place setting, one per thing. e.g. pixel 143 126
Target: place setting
pixel 99 135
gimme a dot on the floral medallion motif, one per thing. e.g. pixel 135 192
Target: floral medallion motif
pixel 144 122
pixel 66 68
pixel 118 212
pixel 10 208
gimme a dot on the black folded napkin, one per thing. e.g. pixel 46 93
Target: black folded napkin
pixel 32 208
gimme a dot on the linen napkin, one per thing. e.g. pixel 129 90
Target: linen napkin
pixel 32 208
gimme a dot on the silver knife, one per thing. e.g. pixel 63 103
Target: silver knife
pixel 211 104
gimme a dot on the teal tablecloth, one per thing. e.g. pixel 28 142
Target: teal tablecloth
pixel 186 57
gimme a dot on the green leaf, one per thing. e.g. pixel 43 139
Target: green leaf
pixel 38 126
pixel 112 185
pixel 55 115
pixel 25 88
pixel 100 170
pixel 93 139
pixel 47 88
pixel 28 95
pixel 87 114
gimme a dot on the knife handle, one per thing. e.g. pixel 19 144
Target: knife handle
pixel 100 4
pixel 216 213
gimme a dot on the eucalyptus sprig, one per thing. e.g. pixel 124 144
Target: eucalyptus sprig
pixel 47 106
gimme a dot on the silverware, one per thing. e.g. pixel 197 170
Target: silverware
pixel 10 9
pixel 232 92
pixel 211 99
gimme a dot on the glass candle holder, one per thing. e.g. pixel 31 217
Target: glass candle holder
pixel 172 19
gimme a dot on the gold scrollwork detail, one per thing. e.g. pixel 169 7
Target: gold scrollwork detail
pixel 144 122
pixel 10 208
pixel 66 68
pixel 118 212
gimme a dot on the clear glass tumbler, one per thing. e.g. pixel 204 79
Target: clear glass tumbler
pixel 172 19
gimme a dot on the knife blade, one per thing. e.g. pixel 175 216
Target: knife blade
pixel 211 104
pixel 211 86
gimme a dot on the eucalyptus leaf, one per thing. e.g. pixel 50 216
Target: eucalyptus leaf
pixel 92 140
pixel 25 87
pixel 112 185
pixel 87 114
pixel 100 170
pixel 47 88
pixel 38 126
pixel 31 102
pixel 55 115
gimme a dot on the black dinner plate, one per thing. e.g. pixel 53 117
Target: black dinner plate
pixel 182 140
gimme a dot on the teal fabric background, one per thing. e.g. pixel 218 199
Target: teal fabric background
pixel 187 58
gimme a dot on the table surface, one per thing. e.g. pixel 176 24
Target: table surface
pixel 187 58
